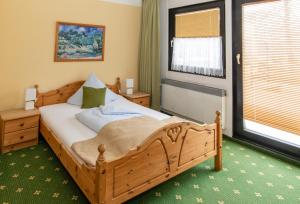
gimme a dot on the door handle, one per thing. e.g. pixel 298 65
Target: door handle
pixel 238 58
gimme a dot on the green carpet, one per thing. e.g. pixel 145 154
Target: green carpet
pixel 34 175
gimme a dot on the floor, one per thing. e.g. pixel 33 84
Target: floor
pixel 34 175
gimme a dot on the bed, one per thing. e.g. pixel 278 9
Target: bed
pixel 169 151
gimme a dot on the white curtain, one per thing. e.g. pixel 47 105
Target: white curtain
pixel 198 56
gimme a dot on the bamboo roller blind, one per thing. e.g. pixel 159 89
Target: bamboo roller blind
pixel 271 64
pixel 204 23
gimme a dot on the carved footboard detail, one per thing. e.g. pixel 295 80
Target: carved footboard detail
pixel 197 144
pixel 169 151
pixel 140 169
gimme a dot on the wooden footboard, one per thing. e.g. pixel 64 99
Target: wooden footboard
pixel 168 152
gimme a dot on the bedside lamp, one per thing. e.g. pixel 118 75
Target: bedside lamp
pixel 30 97
pixel 129 86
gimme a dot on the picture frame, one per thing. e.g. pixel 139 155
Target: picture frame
pixel 79 42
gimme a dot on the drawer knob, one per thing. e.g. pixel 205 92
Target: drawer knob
pixel 22 125
pixel 206 143
pixel 22 137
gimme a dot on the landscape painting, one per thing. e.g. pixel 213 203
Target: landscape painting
pixel 79 42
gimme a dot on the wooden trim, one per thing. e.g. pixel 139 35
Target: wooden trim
pixel 218 158
pixel 56 59
pixel 13 147
pixel 136 95
pixel 115 87
pixel 170 151
pixel 77 170
pixel 101 176
pixel 62 94
pixel 18 113
pixel 56 42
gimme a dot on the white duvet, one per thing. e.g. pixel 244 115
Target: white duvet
pixel 60 118
pixel 97 118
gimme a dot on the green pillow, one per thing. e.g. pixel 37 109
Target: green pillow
pixel 93 97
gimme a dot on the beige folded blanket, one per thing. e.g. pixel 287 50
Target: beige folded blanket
pixel 119 137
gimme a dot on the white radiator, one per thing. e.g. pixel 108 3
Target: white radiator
pixel 193 101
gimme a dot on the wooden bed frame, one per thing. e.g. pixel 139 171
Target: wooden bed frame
pixel 168 152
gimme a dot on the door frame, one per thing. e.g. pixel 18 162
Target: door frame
pixel 238 129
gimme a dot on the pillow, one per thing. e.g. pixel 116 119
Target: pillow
pixel 92 97
pixel 93 82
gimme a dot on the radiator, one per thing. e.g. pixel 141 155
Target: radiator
pixel 193 101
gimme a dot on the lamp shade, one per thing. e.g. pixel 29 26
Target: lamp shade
pixel 30 94
pixel 129 83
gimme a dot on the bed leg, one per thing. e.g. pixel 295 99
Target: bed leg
pixel 218 157
pixel 100 188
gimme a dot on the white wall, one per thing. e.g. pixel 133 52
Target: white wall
pixel 209 81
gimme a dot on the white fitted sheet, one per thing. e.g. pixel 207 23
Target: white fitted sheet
pixel 60 118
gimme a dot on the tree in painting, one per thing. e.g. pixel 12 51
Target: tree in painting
pixel 78 42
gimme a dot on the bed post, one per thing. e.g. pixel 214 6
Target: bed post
pixel 118 85
pixel 37 89
pixel 37 95
pixel 100 188
pixel 218 157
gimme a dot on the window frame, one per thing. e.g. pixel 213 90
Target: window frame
pixel 192 8
pixel 285 150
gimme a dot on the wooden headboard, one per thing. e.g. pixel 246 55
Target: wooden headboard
pixel 62 94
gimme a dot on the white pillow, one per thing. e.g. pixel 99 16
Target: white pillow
pixel 93 82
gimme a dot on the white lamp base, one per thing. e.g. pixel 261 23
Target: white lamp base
pixel 129 91
pixel 29 105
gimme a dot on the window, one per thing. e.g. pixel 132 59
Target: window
pixel 197 39
pixel 271 64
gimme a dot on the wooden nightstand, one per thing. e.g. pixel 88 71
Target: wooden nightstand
pixel 140 98
pixel 18 129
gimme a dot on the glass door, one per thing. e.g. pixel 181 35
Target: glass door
pixel 267 73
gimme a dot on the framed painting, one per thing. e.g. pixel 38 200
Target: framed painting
pixel 79 42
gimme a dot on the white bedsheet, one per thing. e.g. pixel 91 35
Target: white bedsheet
pixel 60 118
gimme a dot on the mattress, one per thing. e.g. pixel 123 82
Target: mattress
pixel 60 118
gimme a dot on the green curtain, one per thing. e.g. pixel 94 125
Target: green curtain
pixel 149 62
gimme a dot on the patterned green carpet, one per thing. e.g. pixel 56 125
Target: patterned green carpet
pixel 34 175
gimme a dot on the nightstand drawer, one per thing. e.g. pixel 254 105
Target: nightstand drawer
pixel 142 101
pixel 20 136
pixel 21 124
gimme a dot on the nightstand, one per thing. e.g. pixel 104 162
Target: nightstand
pixel 18 129
pixel 140 98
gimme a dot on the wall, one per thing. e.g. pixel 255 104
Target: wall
pixel 209 81
pixel 128 2
pixel 27 44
